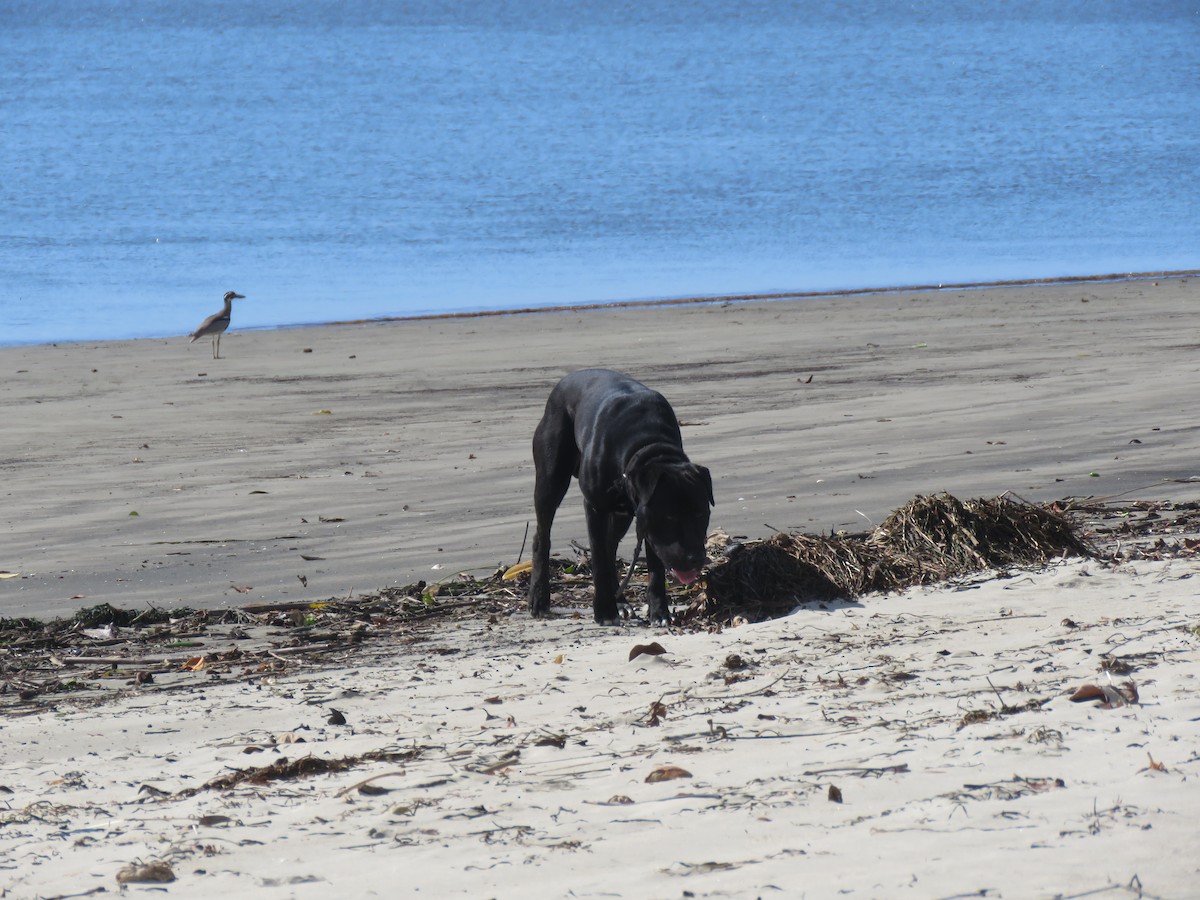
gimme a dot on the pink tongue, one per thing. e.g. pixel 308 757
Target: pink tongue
pixel 686 577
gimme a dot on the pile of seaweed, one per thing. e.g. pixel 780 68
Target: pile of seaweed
pixel 932 538
pixel 104 650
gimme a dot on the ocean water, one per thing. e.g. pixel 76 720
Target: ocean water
pixel 346 160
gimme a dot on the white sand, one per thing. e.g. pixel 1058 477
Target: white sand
pixel 868 699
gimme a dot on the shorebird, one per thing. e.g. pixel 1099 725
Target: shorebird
pixel 216 324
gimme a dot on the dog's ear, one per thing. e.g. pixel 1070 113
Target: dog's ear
pixel 645 482
pixel 706 479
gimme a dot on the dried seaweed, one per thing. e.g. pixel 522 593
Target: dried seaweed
pixel 108 650
pixel 930 539
pixel 786 568
pixel 1141 529
pixel 303 767
pixel 103 614
pixel 975 716
pixel 961 537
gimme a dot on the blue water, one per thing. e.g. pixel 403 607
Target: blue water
pixel 343 160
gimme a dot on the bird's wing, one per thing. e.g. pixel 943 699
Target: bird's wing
pixel 207 325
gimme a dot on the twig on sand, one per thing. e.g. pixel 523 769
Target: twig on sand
pixel 161 664
pixel 861 770
pixel 285 652
pixel 729 694
pixel 285 606
pixel 999 696
pixel 521 555
pixel 366 781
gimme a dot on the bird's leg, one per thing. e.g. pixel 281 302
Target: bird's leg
pixel 217 345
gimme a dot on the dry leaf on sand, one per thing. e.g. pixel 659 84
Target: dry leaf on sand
pixel 655 649
pixel 667 773
pixel 658 712
pixel 147 873
pixel 1110 696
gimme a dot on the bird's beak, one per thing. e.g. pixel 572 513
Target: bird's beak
pixel 239 296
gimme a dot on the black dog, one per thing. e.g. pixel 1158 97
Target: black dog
pixel 622 441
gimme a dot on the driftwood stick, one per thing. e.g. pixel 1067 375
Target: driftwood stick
pixel 160 664
pixel 861 770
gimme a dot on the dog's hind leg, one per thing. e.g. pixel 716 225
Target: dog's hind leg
pixel 554 460
pixel 605 531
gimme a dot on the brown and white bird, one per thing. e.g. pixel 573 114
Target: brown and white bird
pixel 216 324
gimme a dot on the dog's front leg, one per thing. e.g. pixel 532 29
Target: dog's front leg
pixel 605 531
pixel 658 607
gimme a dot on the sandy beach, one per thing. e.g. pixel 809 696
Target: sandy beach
pixel 391 449
pixel 507 757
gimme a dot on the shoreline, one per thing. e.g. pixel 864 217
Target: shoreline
pixel 656 302
pixel 767 296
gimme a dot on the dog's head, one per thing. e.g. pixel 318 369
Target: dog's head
pixel 672 499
